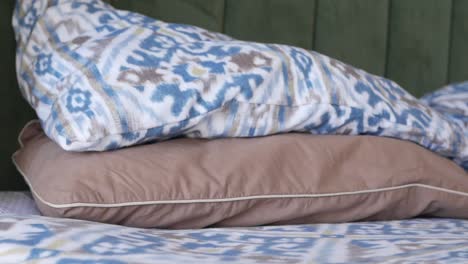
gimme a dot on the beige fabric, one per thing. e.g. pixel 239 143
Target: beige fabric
pixel 282 179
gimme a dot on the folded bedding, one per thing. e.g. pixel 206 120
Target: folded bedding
pixel 101 79
pixel 280 179
pixel 452 101
pixel 49 240
pixel 18 203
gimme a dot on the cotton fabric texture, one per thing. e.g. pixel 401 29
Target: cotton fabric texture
pixel 280 179
pixel 452 101
pixel 102 79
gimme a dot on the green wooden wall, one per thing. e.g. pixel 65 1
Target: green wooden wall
pixel 421 44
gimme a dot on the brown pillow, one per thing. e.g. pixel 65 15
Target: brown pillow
pixel 282 179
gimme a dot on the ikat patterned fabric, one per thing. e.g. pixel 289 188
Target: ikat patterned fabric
pixel 36 239
pixel 452 101
pixel 101 78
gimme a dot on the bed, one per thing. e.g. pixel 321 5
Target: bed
pixel 27 237
pixel 379 36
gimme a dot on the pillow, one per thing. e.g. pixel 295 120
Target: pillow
pixel 102 79
pixel 280 179
pixel 452 101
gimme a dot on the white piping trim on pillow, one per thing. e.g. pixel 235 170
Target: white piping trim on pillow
pixel 220 200
pixel 30 122
pixel 231 199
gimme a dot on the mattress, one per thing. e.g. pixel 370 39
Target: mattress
pixel 39 239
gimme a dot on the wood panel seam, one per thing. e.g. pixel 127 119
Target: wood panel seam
pixel 314 26
pixel 388 35
pixel 450 41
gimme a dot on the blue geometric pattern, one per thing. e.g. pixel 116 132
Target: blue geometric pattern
pixel 51 240
pixel 100 78
pixel 452 101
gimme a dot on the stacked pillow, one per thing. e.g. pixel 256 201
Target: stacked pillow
pixel 281 179
pixel 102 79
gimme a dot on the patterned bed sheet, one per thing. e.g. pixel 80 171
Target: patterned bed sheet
pixel 37 239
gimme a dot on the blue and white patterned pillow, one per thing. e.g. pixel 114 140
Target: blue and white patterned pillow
pixel 451 101
pixel 100 79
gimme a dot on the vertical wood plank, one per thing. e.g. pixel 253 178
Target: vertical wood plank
pixel 14 111
pixel 272 21
pixel 354 32
pixel 458 68
pixel 419 44
pixel 207 14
